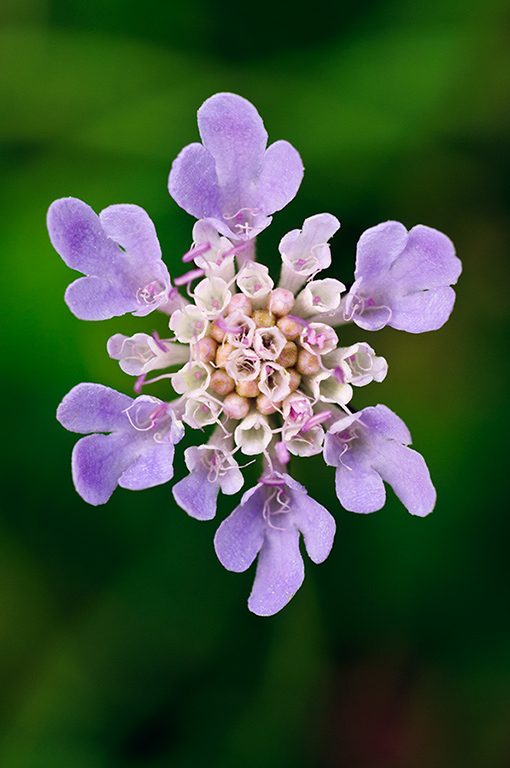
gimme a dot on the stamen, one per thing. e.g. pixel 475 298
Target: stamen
pixel 188 277
pixel 222 324
pixel 236 249
pixel 159 343
pixel 253 211
pixel 139 382
pixel 282 453
pixel 339 374
pixel 315 420
pixel 299 320
pixel 196 251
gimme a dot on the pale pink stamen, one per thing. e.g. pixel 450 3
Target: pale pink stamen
pixel 159 343
pixel 188 277
pixel 194 252
pixel 314 421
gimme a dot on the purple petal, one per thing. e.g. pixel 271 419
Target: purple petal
pixel 131 227
pixel 197 495
pixel 377 451
pixel 93 408
pixel 280 176
pixel 94 298
pixel 232 181
pixel 240 537
pixel 422 311
pixel 377 249
pixel 193 182
pixel 98 462
pixel 154 466
pixel 359 487
pixel 280 572
pixel 77 236
pixel 233 132
pixel 315 523
pixel 383 423
pixel 428 261
pixel 405 470
pixel 403 280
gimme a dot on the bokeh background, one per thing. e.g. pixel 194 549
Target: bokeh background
pixel 123 642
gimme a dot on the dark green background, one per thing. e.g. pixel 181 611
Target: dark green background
pixel 123 642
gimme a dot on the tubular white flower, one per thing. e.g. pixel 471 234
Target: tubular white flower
pixel 201 411
pixel 191 380
pixel 254 281
pixel 274 381
pixel 212 296
pixel 213 259
pixel 142 353
pixel 326 388
pixel 319 296
pixel 189 324
pixel 243 365
pixel 253 434
pixel 306 251
pixel 307 443
pixel 357 364
pixel 268 342
pixel 318 338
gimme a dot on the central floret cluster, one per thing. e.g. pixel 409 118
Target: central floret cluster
pixel 260 364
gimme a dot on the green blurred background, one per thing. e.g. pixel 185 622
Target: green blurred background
pixel 123 642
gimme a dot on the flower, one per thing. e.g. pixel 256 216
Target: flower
pixel 119 253
pixel 137 453
pixel 231 179
pixel 403 279
pixel 267 523
pixel 371 446
pixel 259 362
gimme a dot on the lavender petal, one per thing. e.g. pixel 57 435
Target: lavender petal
pixel 280 572
pixel 239 538
pixel 196 495
pixel 93 408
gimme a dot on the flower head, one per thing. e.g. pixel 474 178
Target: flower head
pixel 259 364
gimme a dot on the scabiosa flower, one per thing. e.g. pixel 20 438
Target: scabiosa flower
pixel 257 361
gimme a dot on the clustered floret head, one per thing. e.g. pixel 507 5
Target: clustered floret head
pixel 258 364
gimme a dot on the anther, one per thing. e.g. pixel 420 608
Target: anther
pixel 215 332
pixel 315 420
pixel 159 343
pixel 282 453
